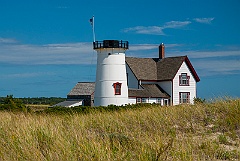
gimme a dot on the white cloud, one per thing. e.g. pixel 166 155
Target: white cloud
pixel 140 47
pixel 217 67
pixel 28 75
pixel 207 62
pixel 204 20
pixel 154 30
pixel 157 30
pixel 7 40
pixel 212 54
pixel 70 53
pixel 176 24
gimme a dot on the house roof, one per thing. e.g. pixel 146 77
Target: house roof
pixel 149 90
pixel 158 69
pixel 167 68
pixel 143 68
pixel 83 88
pixel 87 88
pixel 68 103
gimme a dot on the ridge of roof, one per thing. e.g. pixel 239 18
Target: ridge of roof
pixel 87 88
pixel 158 69
pixel 143 68
pixel 167 67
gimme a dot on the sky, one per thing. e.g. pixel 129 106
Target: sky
pixel 46 45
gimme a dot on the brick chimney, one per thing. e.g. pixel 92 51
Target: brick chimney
pixel 161 51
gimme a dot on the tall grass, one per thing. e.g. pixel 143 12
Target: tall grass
pixel 209 131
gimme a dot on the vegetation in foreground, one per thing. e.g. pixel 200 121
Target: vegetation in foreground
pixel 205 131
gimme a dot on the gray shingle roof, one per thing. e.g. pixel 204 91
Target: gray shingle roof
pixel 167 68
pixel 158 69
pixel 83 88
pixel 143 68
pixel 149 90
pixel 68 103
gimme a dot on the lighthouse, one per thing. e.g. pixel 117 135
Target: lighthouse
pixel 111 78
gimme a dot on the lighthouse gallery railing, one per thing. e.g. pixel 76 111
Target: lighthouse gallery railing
pixel 110 44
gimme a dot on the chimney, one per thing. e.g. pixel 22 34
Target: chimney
pixel 161 51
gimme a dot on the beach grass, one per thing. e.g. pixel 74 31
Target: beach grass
pixel 204 131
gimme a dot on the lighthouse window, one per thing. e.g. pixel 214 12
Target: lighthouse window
pixel 117 88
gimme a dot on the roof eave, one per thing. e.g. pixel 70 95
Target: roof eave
pixel 192 69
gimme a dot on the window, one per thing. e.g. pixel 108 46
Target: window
pixel 184 79
pixel 117 88
pixel 144 100
pixel 158 100
pixel 139 100
pixel 184 97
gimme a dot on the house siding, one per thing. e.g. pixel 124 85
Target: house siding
pixel 131 79
pixel 166 86
pixel 177 88
pixel 133 100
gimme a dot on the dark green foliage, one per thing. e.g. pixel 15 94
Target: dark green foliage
pixel 198 100
pixel 13 104
pixel 38 100
pixel 43 100
pixel 89 109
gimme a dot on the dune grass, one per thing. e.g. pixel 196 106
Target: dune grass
pixel 208 131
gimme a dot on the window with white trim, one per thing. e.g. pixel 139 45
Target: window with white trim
pixel 139 100
pixel 184 79
pixel 184 97
pixel 158 100
pixel 144 100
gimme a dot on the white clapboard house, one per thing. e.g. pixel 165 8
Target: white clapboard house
pixel 162 80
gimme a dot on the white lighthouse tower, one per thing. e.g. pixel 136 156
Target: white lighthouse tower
pixel 111 79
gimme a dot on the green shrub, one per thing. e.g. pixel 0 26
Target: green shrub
pixel 13 104
pixel 199 100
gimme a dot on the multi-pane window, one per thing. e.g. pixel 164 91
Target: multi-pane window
pixel 158 100
pixel 117 88
pixel 144 100
pixel 184 79
pixel 184 97
pixel 139 100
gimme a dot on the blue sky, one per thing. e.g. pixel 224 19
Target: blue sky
pixel 46 46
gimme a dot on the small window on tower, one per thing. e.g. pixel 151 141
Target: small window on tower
pixel 117 88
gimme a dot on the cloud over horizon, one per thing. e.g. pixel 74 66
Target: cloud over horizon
pixel 81 53
pixel 68 53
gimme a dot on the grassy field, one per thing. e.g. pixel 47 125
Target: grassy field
pixel 209 131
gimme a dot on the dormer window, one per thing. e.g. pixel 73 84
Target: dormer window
pixel 117 88
pixel 184 79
